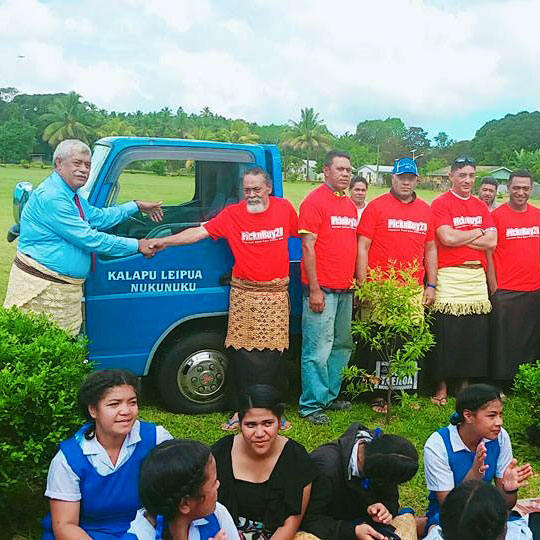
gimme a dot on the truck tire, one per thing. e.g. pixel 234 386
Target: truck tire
pixel 192 374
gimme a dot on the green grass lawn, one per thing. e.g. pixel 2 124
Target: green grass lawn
pixel 415 419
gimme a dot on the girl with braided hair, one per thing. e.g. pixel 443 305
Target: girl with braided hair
pixel 474 446
pixel 93 478
pixel 178 487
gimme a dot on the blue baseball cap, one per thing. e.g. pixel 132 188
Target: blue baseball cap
pixel 405 165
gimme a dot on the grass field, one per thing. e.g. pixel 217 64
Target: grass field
pixel 415 418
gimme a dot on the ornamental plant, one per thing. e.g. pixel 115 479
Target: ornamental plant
pixel 527 386
pixel 393 324
pixel 41 369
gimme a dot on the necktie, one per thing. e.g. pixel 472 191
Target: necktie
pixel 81 213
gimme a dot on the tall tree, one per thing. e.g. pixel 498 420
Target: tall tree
pixel 68 118
pixel 309 135
pixel 442 140
pixel 17 137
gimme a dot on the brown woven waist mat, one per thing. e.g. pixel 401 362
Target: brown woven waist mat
pixel 37 273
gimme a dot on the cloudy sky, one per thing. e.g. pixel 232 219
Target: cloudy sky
pixel 441 64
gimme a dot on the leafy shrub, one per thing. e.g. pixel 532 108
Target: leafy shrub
pixel 393 324
pixel 159 166
pixel 41 369
pixel 527 385
pixel 24 163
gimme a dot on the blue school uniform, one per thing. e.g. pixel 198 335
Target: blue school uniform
pixel 460 463
pixel 108 503
pixel 207 528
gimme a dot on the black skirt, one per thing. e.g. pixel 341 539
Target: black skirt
pixel 254 367
pixel 514 332
pixel 461 347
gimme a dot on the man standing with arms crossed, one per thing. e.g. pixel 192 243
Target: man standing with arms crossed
pixel 514 282
pixel 464 232
pixel 59 233
pixel 327 222
pixel 397 229
pixel 257 231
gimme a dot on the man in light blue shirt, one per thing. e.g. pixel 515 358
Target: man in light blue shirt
pixel 59 232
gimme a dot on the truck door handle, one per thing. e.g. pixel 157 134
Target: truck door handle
pixel 225 279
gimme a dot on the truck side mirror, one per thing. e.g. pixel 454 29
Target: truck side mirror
pixel 21 194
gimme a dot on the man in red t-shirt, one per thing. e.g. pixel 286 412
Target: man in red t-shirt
pixel 514 281
pixel 328 222
pixel 257 231
pixel 396 229
pixel 464 232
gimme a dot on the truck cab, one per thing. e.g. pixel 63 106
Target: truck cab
pixel 167 316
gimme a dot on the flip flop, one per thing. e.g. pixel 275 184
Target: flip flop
pixel 440 401
pixel 379 406
pixel 284 424
pixel 230 425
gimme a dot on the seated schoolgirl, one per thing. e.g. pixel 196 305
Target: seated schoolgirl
pixel 474 446
pixel 357 486
pixel 178 488
pixel 265 478
pixel 93 479
pixel 475 510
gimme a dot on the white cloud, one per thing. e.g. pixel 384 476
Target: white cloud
pixel 427 61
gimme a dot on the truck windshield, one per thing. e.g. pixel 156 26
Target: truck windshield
pixel 98 157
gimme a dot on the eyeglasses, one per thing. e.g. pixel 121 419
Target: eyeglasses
pixel 464 160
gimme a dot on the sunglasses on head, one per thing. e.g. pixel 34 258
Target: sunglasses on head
pixel 464 160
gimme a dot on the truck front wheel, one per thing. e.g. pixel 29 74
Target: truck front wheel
pixel 192 374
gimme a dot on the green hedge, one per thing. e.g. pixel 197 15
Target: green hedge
pixel 41 369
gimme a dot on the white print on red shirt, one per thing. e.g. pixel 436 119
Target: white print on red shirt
pixel 523 232
pixel 343 222
pixel 406 225
pixel 463 221
pixel 271 235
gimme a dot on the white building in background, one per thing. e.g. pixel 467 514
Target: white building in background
pixel 376 176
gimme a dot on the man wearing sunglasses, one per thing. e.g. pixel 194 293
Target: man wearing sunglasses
pixel 464 233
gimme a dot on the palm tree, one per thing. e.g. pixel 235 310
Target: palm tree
pixel 68 118
pixel 238 132
pixel 309 135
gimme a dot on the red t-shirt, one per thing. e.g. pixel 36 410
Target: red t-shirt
pixel 462 215
pixel 517 256
pixel 258 241
pixel 398 232
pixel 334 220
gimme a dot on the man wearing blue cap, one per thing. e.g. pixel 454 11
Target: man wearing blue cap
pixel 396 230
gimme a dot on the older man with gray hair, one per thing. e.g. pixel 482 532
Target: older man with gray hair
pixel 59 231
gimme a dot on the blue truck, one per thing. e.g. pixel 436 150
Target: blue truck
pixel 166 317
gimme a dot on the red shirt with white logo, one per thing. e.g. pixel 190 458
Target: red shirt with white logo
pixel 334 219
pixel 463 215
pixel 517 256
pixel 398 232
pixel 258 241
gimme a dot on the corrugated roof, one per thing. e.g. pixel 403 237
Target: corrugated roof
pixel 382 168
pixel 482 168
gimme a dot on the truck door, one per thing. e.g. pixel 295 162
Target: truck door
pixel 133 304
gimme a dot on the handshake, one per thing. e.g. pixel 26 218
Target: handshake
pixel 150 246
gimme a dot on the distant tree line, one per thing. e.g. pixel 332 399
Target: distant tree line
pixel 36 123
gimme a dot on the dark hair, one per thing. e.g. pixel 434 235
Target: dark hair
pixel 390 458
pixel 490 181
pixel 462 161
pixel 523 173
pixel 256 171
pixel 261 396
pixel 334 154
pixel 356 179
pixel 474 510
pixel 96 385
pixel 172 471
pixel 472 398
